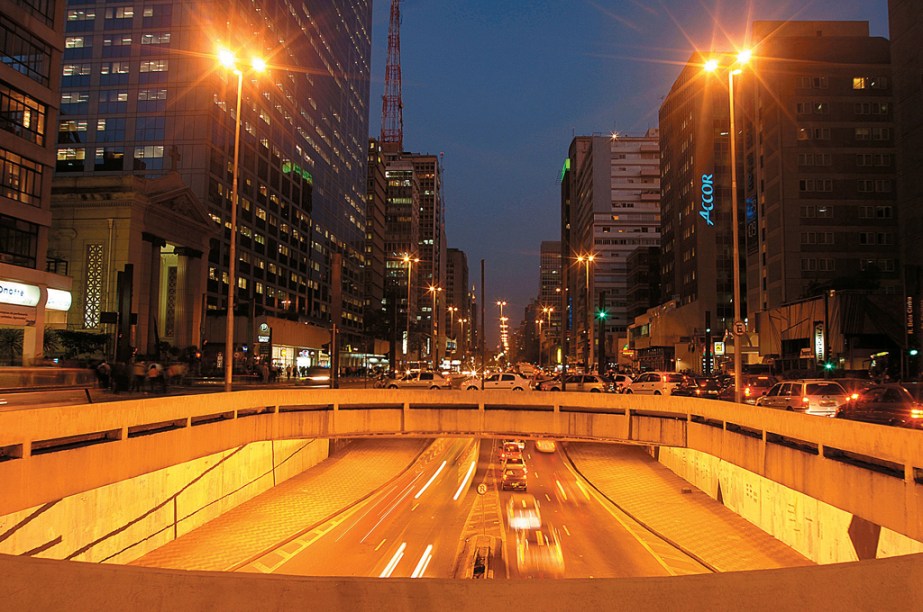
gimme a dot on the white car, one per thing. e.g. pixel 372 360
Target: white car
pixel 523 512
pixel 656 383
pixel 545 446
pixel 421 380
pixel 505 380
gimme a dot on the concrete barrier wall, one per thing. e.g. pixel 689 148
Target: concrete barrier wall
pixel 120 522
pixel 817 530
pixel 889 584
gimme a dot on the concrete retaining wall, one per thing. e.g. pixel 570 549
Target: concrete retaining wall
pixel 817 530
pixel 122 521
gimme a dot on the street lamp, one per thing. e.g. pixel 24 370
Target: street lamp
pixel 501 304
pixel 407 259
pixel 452 310
pixel 547 310
pixel 541 337
pixel 739 328
pixel 586 260
pixel 435 347
pixel 227 59
pixel 464 338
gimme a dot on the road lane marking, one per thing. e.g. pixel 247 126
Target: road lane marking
pixel 380 544
pixel 566 530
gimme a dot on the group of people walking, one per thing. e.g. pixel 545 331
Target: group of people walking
pixel 139 375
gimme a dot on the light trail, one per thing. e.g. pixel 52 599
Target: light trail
pixel 561 489
pixel 430 481
pixel 397 502
pixel 386 573
pixel 464 483
pixel 423 563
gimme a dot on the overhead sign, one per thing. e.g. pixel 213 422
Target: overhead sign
pixel 19 293
pixel 719 349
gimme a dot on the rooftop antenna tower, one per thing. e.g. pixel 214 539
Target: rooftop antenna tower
pixel 392 107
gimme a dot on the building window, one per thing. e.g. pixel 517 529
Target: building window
pixel 20 178
pixel 148 157
pixel 93 282
pixel 42 9
pixel 809 238
pixel 158 65
pixel 23 52
pixel 874 133
pixel 22 115
pixel 875 186
pixel 872 108
pixel 878 82
pixel 815 185
pixel 113 101
pixel 814 159
pixel 109 159
pixel 18 242
pixel 817 211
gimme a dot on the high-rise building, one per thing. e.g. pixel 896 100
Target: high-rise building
pixel 432 246
pixel 402 238
pixel 379 304
pixel 145 95
pixel 458 320
pixel 906 29
pixel 34 291
pixel 616 210
pixel 549 299
pixel 819 181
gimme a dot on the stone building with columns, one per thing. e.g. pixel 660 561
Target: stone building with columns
pixel 158 226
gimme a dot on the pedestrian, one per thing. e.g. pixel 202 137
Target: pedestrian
pixel 264 372
pixel 288 372
pixel 138 372
pixel 103 373
pixel 155 377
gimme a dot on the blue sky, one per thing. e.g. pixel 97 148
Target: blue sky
pixel 501 87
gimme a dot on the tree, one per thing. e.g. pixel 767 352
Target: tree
pixel 10 346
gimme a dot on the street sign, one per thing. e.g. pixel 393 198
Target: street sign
pixel 740 328
pixel 482 489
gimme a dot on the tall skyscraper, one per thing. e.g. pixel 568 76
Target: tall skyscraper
pixel 34 293
pixel 145 95
pixel 616 210
pixel 549 299
pixel 457 323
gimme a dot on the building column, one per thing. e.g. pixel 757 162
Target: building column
pixel 149 304
pixel 189 289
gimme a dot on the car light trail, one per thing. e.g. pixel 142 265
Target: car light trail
pixel 384 515
pixel 561 489
pixel 386 573
pixel 423 563
pixel 464 483
pixel 430 481
pixel 582 488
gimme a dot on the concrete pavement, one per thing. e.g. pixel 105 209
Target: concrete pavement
pixel 647 491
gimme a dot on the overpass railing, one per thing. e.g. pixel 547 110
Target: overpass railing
pixel 51 452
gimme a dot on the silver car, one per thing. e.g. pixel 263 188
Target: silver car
pixel 811 396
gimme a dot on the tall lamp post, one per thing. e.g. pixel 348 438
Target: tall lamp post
pixel 464 338
pixel 541 336
pixel 586 260
pixel 739 327
pixel 407 259
pixel 227 59
pixel 452 310
pixel 501 304
pixel 435 329
pixel 547 310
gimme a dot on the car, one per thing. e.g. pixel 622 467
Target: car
pixel 656 383
pixel 545 446
pixel 888 404
pixel 317 377
pixel 819 397
pixel 513 478
pixel 620 382
pixel 755 386
pixel 420 380
pixel 509 448
pixel 704 387
pixel 515 461
pixel 578 382
pixel 538 552
pixel 855 386
pixel 504 380
pixel 523 512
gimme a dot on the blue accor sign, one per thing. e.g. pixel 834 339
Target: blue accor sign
pixel 708 197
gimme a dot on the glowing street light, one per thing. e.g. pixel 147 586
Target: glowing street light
pixel 743 57
pixel 227 59
pixel 587 260
pixel 452 310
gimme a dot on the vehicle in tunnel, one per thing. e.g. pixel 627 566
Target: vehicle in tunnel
pixel 514 478
pixel 523 512
pixel 539 553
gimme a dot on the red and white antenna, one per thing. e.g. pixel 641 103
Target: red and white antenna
pixel 392 107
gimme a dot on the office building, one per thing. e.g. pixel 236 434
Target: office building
pixel 34 291
pixel 144 95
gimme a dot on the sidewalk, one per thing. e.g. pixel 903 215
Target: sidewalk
pixel 652 495
pixel 285 510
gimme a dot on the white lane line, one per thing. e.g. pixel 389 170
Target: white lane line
pixel 430 481
pixel 380 544
pixel 566 530
pixel 386 573
pixel 424 561
pixel 464 483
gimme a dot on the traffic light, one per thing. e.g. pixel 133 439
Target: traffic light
pixel 601 315
pixel 828 365
pixel 913 352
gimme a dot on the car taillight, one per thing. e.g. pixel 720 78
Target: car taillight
pixel 805 400
pixel 663 379
pixel 916 413
pixel 748 391
pixel 854 396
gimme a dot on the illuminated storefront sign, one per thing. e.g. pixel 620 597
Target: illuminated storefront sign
pixel 708 197
pixel 58 300
pixel 264 334
pixel 818 341
pixel 19 294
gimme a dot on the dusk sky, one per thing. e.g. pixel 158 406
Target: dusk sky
pixel 501 87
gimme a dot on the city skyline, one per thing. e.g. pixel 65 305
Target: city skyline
pixel 505 138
